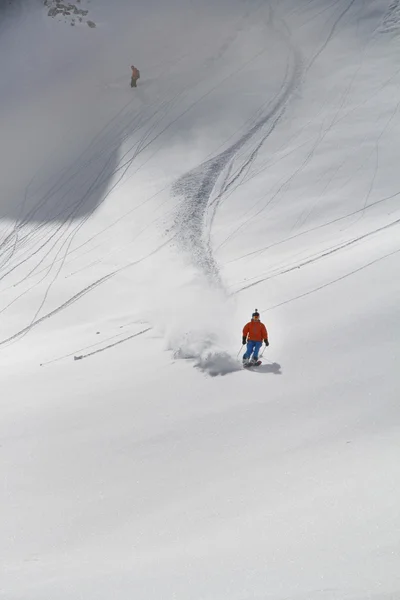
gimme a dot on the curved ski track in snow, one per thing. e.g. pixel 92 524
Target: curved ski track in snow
pixel 197 208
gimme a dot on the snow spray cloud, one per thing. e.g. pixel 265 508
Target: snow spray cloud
pixel 197 325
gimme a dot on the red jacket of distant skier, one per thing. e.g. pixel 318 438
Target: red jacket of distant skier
pixel 255 331
pixel 135 72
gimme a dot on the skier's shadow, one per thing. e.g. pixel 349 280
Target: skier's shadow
pixel 274 368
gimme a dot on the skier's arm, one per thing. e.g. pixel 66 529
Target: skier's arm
pixel 265 335
pixel 246 329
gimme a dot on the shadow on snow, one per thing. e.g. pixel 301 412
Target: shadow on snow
pixel 274 368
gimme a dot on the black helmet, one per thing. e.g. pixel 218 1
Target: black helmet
pixel 255 314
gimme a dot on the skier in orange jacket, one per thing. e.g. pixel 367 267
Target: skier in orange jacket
pixel 254 334
pixel 135 76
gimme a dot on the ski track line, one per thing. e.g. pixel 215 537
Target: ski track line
pixel 231 183
pixel 115 344
pixel 310 154
pixel 292 237
pixel 302 219
pixel 54 233
pixel 81 165
pixel 376 149
pixel 118 249
pixel 196 186
pixel 141 145
pixel 325 285
pixel 66 304
pixel 320 256
pixel 97 344
pixel 71 235
pixel 47 271
pixel 286 182
pixel 330 36
pixel 79 295
pixel 321 137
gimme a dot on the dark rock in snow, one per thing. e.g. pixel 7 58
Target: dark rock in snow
pixel 58 8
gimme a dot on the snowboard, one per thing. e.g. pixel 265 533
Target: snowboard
pixel 250 364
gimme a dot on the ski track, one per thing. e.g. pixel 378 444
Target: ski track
pixel 319 256
pixel 303 218
pixel 101 343
pixel 332 282
pixel 36 250
pixel 316 228
pixel 38 320
pixel 25 241
pixel 391 21
pixel 104 348
pixel 65 199
pixel 197 208
pixel 324 131
pixel 46 247
pixel 195 188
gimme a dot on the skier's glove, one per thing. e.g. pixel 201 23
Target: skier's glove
pixel 266 342
pixel 243 341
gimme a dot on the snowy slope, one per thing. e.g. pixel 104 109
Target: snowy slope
pixel 256 165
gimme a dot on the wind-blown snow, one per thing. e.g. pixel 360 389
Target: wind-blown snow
pixel 256 165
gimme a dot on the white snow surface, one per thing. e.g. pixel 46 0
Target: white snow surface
pixel 255 166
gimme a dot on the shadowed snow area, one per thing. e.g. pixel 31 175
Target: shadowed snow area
pixel 255 165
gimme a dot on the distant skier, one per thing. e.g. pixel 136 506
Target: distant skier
pixel 254 333
pixel 135 76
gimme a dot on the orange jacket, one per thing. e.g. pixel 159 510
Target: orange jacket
pixel 255 331
pixel 135 73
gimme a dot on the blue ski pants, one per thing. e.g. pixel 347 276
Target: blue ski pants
pixel 252 347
